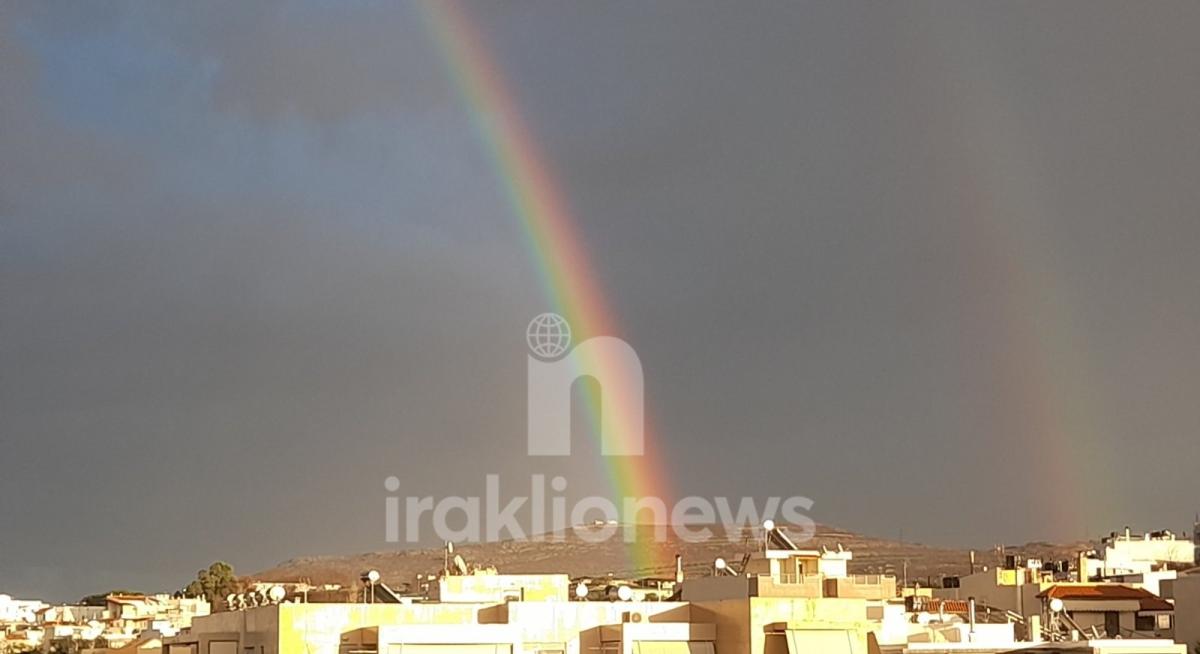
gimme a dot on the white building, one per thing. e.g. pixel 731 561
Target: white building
pixel 1131 554
pixel 19 611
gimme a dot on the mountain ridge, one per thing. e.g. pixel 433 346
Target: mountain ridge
pixel 573 554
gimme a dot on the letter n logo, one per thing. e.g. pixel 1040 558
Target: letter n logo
pixel 608 360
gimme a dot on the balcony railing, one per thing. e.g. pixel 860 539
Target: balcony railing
pixel 869 580
pixel 793 578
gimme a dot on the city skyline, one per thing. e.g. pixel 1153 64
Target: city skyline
pixel 255 261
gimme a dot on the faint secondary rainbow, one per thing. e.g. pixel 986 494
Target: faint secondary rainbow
pixel 1040 368
pixel 564 269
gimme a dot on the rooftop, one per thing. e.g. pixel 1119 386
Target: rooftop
pixel 1107 592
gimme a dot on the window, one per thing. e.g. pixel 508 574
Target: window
pixel 1144 623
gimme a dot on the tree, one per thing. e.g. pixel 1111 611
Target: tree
pixel 99 599
pixel 213 583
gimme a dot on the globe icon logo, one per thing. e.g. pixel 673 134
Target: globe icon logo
pixel 548 335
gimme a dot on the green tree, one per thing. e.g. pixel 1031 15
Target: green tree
pixel 213 583
pixel 99 599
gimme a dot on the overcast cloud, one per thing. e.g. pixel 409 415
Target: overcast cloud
pixel 253 260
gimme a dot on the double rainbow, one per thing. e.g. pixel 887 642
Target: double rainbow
pixel 553 239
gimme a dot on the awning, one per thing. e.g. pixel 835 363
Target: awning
pixel 672 647
pixel 822 641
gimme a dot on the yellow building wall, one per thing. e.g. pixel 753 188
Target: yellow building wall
pixel 742 622
pixel 808 613
pixel 321 628
pixel 574 627
pixel 498 588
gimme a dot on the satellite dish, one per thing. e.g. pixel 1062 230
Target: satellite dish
pixel 720 563
pixel 460 564
pixel 581 590
pixel 277 593
pixel 924 618
pixel 450 547
pixel 769 525
pixel 229 599
pixel 1056 605
pixel 624 593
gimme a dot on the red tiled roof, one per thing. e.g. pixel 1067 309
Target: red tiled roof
pixel 946 605
pixel 1108 592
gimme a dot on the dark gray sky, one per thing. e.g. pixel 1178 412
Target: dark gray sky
pixel 932 265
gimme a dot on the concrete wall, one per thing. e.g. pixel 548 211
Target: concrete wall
pixel 732 618
pixel 716 588
pixel 808 586
pixel 881 587
pixel 1187 610
pixel 987 588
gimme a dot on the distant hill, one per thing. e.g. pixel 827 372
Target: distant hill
pixel 579 558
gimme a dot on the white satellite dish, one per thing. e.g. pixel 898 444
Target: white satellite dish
pixel 1056 605
pixel 581 590
pixel 277 593
pixel 769 525
pixel 624 593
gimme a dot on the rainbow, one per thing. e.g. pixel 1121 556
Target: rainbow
pixel 1039 364
pixel 564 269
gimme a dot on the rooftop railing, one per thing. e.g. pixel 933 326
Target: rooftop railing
pixel 793 578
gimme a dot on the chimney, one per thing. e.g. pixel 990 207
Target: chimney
pixel 679 568
pixel 971 616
